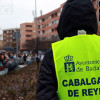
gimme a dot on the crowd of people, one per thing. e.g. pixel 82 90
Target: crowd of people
pixel 10 60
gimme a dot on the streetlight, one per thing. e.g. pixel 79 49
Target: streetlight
pixel 17 37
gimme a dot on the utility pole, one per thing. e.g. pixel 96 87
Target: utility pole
pixel 36 28
pixel 36 40
pixel 17 49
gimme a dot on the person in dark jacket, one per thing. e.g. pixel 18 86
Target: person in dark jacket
pixel 76 15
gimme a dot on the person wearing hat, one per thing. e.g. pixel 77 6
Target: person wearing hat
pixel 70 69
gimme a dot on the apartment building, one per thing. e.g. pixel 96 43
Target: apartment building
pixel 9 39
pixel 97 8
pixel 47 25
pixel 27 32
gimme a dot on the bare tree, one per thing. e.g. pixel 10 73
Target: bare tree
pixel 43 43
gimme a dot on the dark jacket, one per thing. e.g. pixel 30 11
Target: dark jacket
pixel 76 15
pixel 47 82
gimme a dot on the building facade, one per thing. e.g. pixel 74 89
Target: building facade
pixel 1 41
pixel 1 44
pixel 47 24
pixel 97 9
pixel 27 32
pixel 9 39
pixel 1 36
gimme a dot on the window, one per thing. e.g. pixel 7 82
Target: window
pixel 22 26
pixel 10 35
pixel 55 14
pixel 28 35
pixel 22 40
pixel 99 15
pixel 34 26
pixel 61 10
pixel 43 31
pixel 40 20
pixel 7 40
pixel 7 31
pixel 43 20
pixel 11 31
pixel 54 22
pixel 28 25
pixel 23 36
pixel 4 31
pixel 47 31
pixel 55 29
pixel 96 2
pixel 52 30
pixel 39 27
pixel 50 24
pixel 43 26
pixel 43 38
pixel 99 4
pixel 28 30
pixel 40 32
pixel 52 16
pixel 28 41
pixel 10 40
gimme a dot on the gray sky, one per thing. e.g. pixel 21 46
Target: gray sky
pixel 15 12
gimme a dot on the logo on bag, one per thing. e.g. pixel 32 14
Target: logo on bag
pixel 69 64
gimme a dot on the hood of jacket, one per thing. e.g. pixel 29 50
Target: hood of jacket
pixel 77 15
